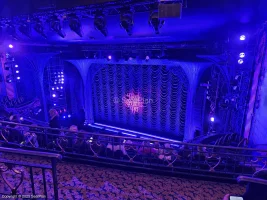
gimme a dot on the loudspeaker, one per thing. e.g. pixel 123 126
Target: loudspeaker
pixel 173 10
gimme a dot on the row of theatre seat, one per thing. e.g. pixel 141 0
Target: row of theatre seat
pixel 132 151
pixel 159 155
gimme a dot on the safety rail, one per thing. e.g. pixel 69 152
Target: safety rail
pixel 13 166
pixel 215 161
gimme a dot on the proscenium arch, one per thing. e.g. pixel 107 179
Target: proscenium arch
pixel 168 86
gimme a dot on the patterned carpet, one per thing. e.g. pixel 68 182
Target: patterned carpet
pixel 79 181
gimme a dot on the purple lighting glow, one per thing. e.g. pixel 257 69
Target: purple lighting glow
pixel 10 46
pixel 242 37
pixel 240 61
pixel 212 119
pixel 242 55
pixel 133 102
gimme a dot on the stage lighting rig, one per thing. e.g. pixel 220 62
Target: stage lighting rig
pixel 25 28
pixel 127 22
pixel 56 26
pixel 100 23
pixel 75 24
pixel 39 28
pixel 155 21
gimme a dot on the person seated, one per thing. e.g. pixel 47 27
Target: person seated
pixel 54 120
pixel 118 145
pixel 146 148
pixel 16 132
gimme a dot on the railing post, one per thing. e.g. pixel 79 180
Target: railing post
pixel 54 174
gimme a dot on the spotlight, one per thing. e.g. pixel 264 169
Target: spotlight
pixel 212 119
pixel 127 23
pixel 109 57
pixel 55 104
pixel 100 23
pixel 69 116
pixel 10 46
pixel 57 88
pixel 17 71
pixel 21 118
pixel 53 88
pixel 147 58
pixel 39 28
pixel 61 87
pixel 242 37
pixel 25 29
pixel 64 116
pixel 16 66
pixel 155 21
pixel 240 61
pixel 75 25
pixel 53 95
pixel 18 78
pixel 242 55
pixel 56 26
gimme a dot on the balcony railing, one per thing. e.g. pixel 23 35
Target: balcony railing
pixel 223 162
pixel 12 170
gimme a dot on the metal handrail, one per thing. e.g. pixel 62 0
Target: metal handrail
pixel 140 139
pixel 31 153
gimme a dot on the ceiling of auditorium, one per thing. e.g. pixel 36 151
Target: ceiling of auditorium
pixel 201 20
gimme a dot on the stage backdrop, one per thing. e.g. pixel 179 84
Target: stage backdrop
pixel 145 98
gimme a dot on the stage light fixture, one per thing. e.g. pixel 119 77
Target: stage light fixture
pixel 240 61
pixel 39 28
pixel 212 119
pixel 55 104
pixel 126 19
pixel 61 87
pixel 17 71
pixel 18 78
pixel 242 37
pixel 21 118
pixel 10 46
pixel 25 29
pixel 53 88
pixel 54 95
pixel 109 57
pixel 64 117
pixel 57 88
pixel 69 116
pixel 100 23
pixel 242 55
pixel 155 21
pixel 16 66
pixel 56 26
pixel 75 24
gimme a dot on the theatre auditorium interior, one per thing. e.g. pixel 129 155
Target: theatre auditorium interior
pixel 133 99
